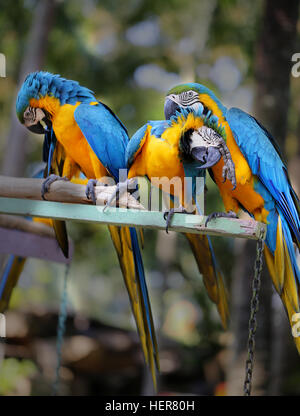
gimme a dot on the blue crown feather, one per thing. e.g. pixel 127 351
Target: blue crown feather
pixel 209 119
pixel 40 84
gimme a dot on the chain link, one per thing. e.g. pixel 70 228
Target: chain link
pixel 254 309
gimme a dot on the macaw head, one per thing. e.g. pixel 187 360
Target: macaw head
pixel 32 117
pixel 205 144
pixel 42 93
pixel 194 97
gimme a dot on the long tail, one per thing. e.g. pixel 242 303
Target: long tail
pixel 9 279
pixel 212 275
pixel 126 243
pixel 284 271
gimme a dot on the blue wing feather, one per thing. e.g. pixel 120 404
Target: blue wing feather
pixel 266 162
pixel 105 134
pixel 134 145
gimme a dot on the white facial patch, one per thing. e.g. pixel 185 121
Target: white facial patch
pixel 32 116
pixel 205 137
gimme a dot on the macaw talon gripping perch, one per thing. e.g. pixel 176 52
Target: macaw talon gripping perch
pixel 214 215
pixel 90 190
pixel 168 215
pixel 48 181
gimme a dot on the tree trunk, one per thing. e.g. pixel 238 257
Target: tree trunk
pixel 16 144
pixel 275 47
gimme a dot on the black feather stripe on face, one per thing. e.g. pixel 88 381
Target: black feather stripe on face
pixel 189 103
pixel 185 144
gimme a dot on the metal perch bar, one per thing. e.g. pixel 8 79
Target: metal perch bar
pixel 67 192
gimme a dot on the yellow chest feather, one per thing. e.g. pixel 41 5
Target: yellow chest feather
pixel 70 136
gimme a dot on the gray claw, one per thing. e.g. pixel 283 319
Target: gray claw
pixel 214 215
pixel 48 181
pixel 168 215
pixel 90 190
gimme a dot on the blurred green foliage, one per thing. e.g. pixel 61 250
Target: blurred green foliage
pixel 101 44
pixel 14 374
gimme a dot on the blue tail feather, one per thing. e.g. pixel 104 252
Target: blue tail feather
pixel 141 274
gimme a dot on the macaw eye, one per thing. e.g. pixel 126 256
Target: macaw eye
pixel 29 113
pixel 190 93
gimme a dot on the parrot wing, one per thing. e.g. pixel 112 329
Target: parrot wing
pixel 265 161
pixel 105 134
pixel 135 145
pixel 264 158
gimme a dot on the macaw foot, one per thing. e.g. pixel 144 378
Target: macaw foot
pixel 48 181
pixel 90 190
pixel 168 215
pixel 228 171
pixel 229 214
pixel 121 188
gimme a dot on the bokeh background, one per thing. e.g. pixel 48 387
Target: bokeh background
pixel 130 53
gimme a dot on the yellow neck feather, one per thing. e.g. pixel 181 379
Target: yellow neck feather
pixel 50 104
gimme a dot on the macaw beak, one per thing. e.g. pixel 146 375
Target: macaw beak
pixel 36 128
pixel 170 107
pixel 40 124
pixel 206 147
pixel 209 155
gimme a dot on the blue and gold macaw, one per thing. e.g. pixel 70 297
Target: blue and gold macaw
pixel 263 188
pixel 94 140
pixel 169 149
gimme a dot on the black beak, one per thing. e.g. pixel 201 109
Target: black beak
pixel 170 108
pixel 37 128
pixel 209 156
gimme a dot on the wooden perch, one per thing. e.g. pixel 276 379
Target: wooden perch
pixel 61 191
pixel 21 224
pixel 77 207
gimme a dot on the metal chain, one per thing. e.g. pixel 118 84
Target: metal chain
pixel 254 309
